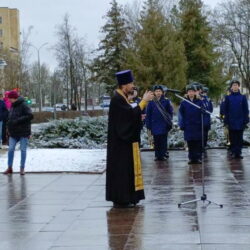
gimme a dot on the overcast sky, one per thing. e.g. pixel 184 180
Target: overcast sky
pixel 44 15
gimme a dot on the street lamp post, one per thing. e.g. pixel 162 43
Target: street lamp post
pixel 39 74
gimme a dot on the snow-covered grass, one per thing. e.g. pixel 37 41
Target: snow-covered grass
pixel 60 160
pixel 91 133
pixel 84 133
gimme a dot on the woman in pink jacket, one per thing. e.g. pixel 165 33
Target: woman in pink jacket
pixel 6 100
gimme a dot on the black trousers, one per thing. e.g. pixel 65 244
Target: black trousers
pixel 161 145
pixel 206 130
pixel 194 150
pixel 236 141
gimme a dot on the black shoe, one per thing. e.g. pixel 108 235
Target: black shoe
pixel 166 155
pixel 194 162
pixel 124 205
pixel 159 159
pixel 238 157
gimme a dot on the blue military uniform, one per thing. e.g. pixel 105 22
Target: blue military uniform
pixel 159 126
pixel 236 118
pixel 222 116
pixel 135 101
pixel 190 122
pixel 222 107
pixel 208 105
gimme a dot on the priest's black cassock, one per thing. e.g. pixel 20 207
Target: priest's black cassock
pixel 124 183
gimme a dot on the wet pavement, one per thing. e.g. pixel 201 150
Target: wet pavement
pixel 69 211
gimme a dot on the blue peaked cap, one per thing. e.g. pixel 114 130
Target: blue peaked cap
pixel 156 87
pixel 124 77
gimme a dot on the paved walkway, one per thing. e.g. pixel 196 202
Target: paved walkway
pixel 69 211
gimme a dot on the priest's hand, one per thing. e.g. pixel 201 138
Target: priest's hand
pixel 148 96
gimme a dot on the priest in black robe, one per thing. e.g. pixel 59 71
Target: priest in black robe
pixel 124 180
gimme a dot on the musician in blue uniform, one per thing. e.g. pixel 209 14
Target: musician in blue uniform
pixel 134 100
pixel 222 116
pixel 199 88
pixel 190 122
pixel 208 105
pixel 236 118
pixel 135 97
pixel 159 121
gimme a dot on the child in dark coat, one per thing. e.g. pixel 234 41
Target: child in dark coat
pixel 236 118
pixel 159 122
pixel 190 123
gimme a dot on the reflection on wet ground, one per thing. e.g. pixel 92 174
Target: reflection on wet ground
pixel 69 211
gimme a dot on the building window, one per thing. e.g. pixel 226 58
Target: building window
pixel 1 45
pixel 1 33
pixel 1 20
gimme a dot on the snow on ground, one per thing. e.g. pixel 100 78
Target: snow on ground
pixel 59 160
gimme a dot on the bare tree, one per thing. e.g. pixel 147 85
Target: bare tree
pixel 56 87
pixel 24 81
pixel 12 70
pixel 232 25
pixel 81 73
pixel 16 73
pixel 70 54
pixel 64 54
pixel 45 80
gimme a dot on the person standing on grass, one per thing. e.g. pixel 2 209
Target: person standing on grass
pixel 19 129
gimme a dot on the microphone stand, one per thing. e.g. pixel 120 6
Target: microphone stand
pixel 204 196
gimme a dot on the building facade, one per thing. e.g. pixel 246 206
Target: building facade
pixel 9 29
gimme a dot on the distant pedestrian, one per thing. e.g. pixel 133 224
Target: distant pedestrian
pixel 19 129
pixel 6 100
pixel 236 118
pixel 5 137
pixel 64 107
pixel 73 107
pixel 3 115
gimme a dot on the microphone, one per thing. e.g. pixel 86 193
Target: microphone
pixel 172 90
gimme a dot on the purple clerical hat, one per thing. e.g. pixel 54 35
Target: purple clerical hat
pixel 124 77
